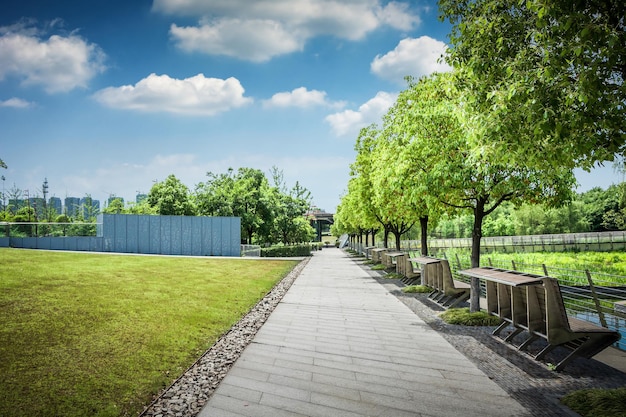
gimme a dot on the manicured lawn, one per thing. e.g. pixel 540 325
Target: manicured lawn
pixel 89 334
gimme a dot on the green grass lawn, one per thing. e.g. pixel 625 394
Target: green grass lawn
pixel 99 335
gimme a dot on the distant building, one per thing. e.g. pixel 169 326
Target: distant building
pixel 72 206
pixel 56 204
pixel 38 204
pixel 320 221
pixel 90 207
pixel 16 204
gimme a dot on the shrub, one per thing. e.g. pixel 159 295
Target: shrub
pixel 286 251
pixel 413 289
pixel 463 317
pixel 597 402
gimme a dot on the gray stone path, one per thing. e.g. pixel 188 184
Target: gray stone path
pixel 339 344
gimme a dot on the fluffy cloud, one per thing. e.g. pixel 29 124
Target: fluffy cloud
pixel 301 97
pixel 257 40
pixel 58 64
pixel 413 56
pixel 349 122
pixel 260 30
pixel 196 95
pixel 15 102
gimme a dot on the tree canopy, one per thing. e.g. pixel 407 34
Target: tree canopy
pixel 549 73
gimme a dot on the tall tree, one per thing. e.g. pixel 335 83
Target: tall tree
pixel 464 176
pixel 171 197
pixel 549 73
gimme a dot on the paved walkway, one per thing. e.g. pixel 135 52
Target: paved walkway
pixel 339 344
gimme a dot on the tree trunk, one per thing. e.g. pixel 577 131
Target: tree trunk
pixel 424 234
pixel 386 237
pixel 373 238
pixel 398 236
pixel 477 233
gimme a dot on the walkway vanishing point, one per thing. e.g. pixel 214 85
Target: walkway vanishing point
pixel 343 342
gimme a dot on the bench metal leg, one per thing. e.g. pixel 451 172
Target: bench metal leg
pixel 544 352
pixel 527 342
pixel 514 333
pixel 459 300
pixel 501 327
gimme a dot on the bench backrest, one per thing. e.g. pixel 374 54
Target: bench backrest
pixel 557 324
pixel 536 307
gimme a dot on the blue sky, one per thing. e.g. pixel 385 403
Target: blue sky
pixel 106 97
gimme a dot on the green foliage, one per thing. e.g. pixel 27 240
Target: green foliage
pixel 269 214
pixel 597 402
pixel 416 289
pixel 550 73
pixel 171 197
pixel 463 317
pixel 286 251
pixel 116 206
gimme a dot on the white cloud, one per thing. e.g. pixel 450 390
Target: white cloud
pixel 413 56
pixel 15 102
pixel 301 97
pixel 196 95
pixel 58 64
pixel 256 40
pixel 260 30
pixel 397 15
pixel 349 122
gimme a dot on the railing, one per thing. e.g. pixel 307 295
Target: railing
pixel 593 241
pixel 251 251
pixel 43 229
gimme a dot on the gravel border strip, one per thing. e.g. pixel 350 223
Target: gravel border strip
pixel 186 396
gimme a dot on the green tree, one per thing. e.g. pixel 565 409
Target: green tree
pixel 215 196
pixel 143 207
pixel 245 194
pixel 597 202
pixel 289 208
pixel 115 207
pixel 171 197
pixel 465 176
pixel 550 74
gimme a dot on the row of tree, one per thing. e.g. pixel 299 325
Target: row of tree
pixel 537 89
pixel 270 212
pixel 596 210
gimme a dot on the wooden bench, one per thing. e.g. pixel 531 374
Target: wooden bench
pixel 454 291
pixel 582 338
pixel 405 267
pixel 388 258
pixel 376 254
pixel 506 296
pixel 533 303
pixel 437 275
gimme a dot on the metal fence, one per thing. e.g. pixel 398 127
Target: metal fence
pixel 251 251
pixel 592 241
pixel 43 229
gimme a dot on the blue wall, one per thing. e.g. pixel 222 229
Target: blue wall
pixel 163 235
